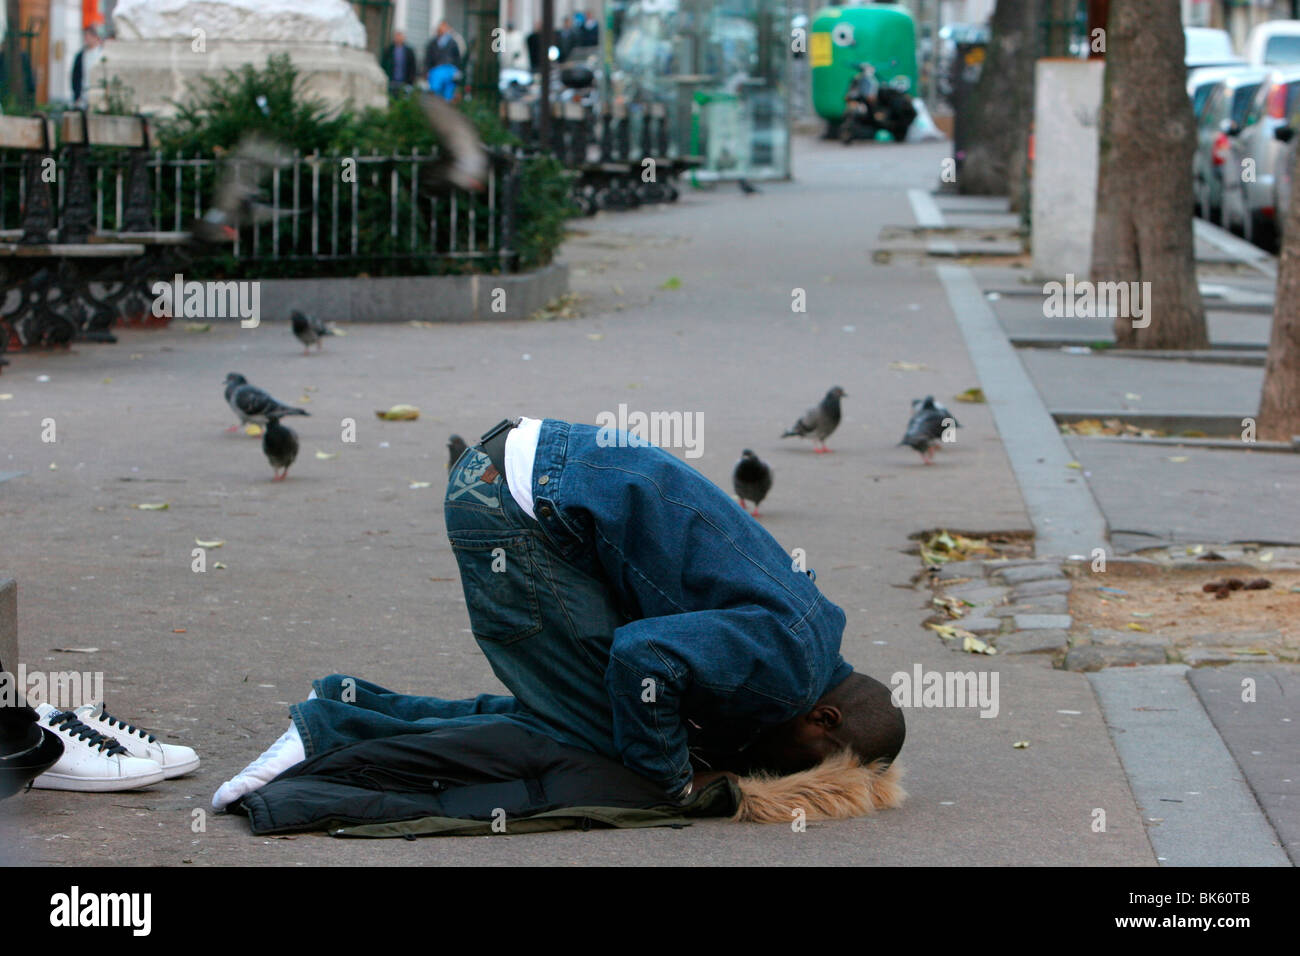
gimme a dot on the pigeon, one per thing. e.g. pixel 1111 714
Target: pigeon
pixel 455 448
pixel 309 330
pixel 280 445
pixel 820 420
pixel 461 158
pixel 252 404
pixel 747 187
pixel 926 427
pixel 236 204
pixel 752 480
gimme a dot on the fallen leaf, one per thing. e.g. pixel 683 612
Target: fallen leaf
pixel 1073 464
pixel 399 413
pixel 54 466
pixel 208 544
pixel 108 381
pixel 1178 458
pixel 973 395
pixel 1266 557
pixel 1132 396
pixel 152 506
pixel 219 566
pixel 1197 549
pixel 178 630
pixel 326 456
pixel 198 326
pixel 1142 613
pixel 1134 626
pixel 948 632
pixel 5 396
pixel 595 336
pixel 253 431
pixel 76 650
pixel 906 366
pixel 419 484
pixel 618 290
pixel 337 331
pixel 672 283
pixel 973 645
pixel 1021 745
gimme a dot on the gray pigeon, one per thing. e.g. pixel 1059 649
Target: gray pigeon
pixel 752 479
pixel 308 330
pixel 236 202
pixel 820 420
pixel 455 448
pixel 926 427
pixel 252 404
pixel 461 158
pixel 280 445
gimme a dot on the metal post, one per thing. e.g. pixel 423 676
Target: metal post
pixel 548 36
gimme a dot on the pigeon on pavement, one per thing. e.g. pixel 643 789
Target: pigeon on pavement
pixel 752 479
pixel 747 187
pixel 926 427
pixel 820 420
pixel 236 204
pixel 252 404
pixel 280 445
pixel 455 448
pixel 309 330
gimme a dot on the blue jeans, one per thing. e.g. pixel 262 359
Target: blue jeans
pixel 642 603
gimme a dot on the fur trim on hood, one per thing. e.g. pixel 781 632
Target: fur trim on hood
pixel 836 789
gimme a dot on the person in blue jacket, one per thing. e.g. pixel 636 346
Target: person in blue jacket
pixel 632 610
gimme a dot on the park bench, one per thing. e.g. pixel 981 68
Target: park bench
pixel 164 250
pixel 46 281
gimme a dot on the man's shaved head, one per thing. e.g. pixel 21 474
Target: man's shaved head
pixel 857 714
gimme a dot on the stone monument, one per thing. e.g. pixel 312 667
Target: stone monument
pixel 163 45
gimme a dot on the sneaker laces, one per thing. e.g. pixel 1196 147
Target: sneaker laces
pixel 123 725
pixel 68 723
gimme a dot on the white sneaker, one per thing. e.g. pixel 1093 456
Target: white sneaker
pixel 173 758
pixel 91 761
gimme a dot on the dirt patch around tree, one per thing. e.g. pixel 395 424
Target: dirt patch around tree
pixel 1173 603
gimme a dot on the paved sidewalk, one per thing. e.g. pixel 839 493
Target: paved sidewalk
pixel 345 567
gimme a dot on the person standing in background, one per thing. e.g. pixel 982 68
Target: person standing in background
pixel 399 63
pixel 442 60
pixel 82 64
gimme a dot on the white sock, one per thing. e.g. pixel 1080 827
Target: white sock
pixel 277 758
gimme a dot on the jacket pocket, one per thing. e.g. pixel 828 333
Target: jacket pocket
pixel 497 574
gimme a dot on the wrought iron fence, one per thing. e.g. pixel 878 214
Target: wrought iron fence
pixel 323 215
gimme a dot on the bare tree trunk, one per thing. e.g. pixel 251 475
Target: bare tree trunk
pixel 1002 104
pixel 1279 401
pixel 1143 230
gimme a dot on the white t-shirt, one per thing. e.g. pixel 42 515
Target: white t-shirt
pixel 521 452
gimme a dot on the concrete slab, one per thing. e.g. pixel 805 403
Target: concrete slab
pixel 1065 516
pixel 1261 735
pixel 1195 803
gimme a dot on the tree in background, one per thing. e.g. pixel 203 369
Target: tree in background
pixel 1143 227
pixel 1002 104
pixel 1279 402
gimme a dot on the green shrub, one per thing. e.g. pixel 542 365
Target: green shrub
pixel 222 109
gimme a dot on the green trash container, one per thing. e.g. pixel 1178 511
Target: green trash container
pixel 883 35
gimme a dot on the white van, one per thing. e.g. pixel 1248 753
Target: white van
pixel 1274 42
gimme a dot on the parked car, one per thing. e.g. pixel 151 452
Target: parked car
pixel 1207 47
pixel 1255 156
pixel 1274 42
pixel 1223 109
pixel 1202 81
